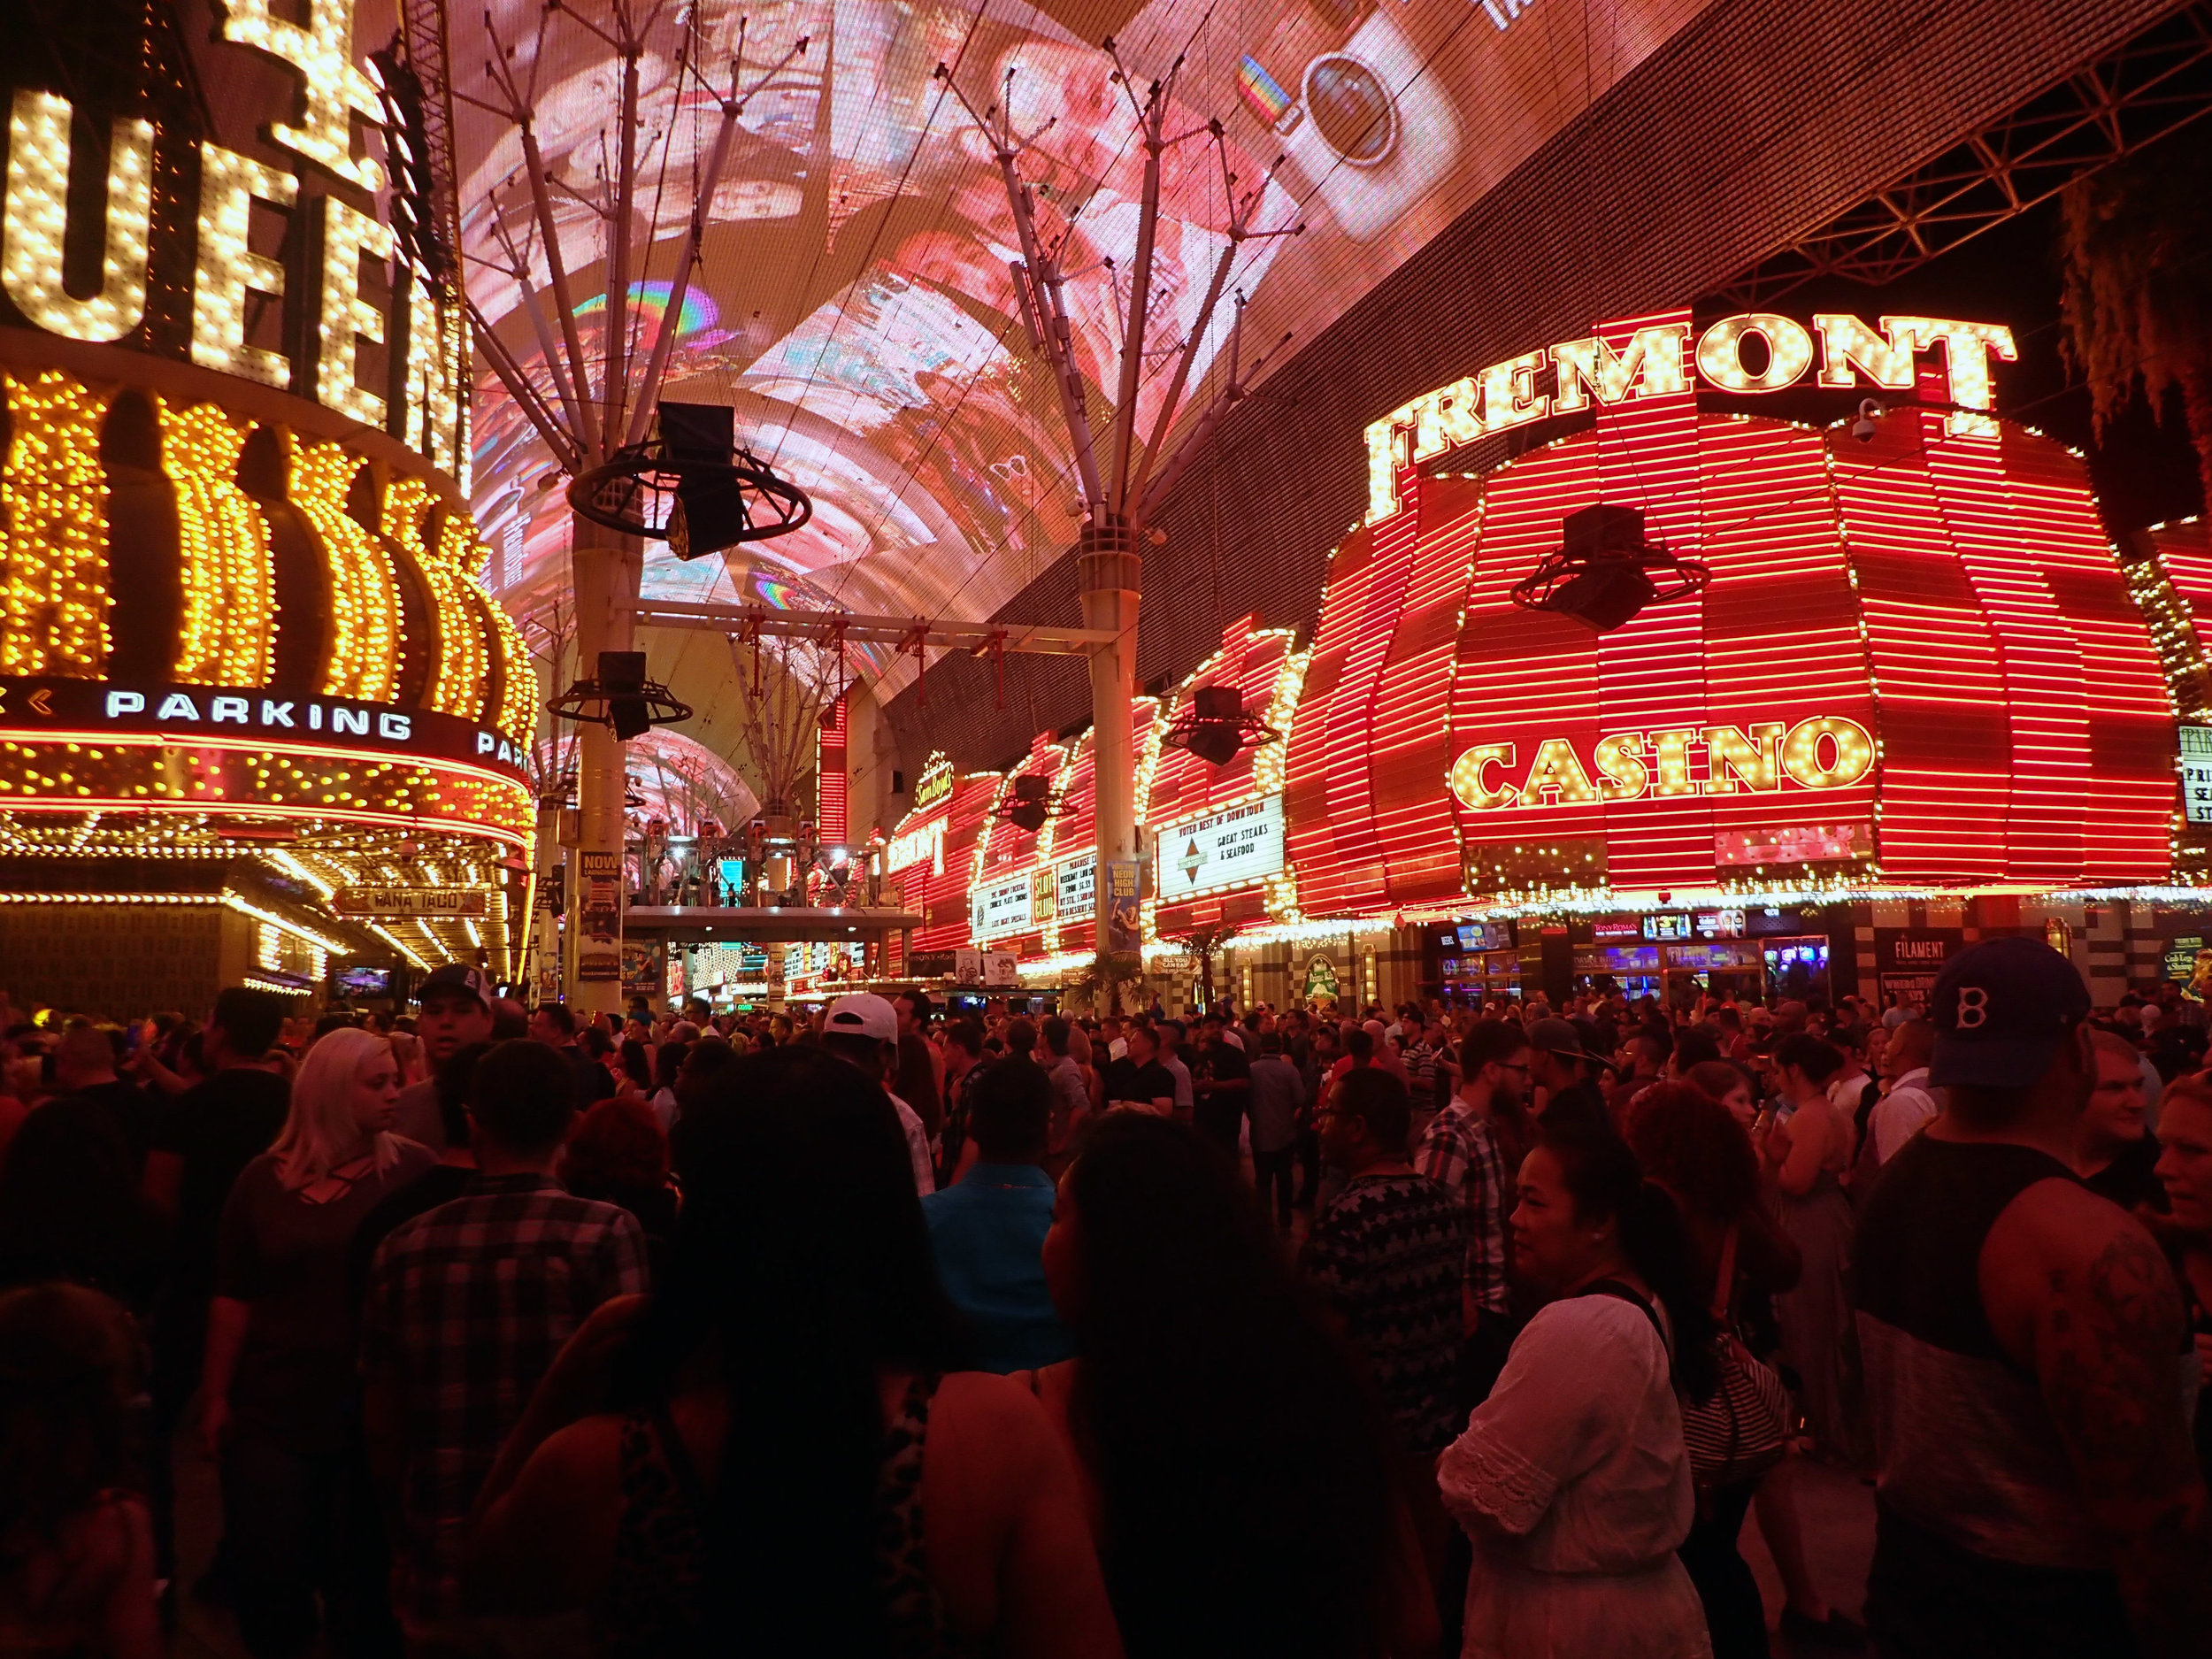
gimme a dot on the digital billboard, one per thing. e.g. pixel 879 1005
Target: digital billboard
pixel 852 293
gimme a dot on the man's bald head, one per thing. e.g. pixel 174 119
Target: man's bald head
pixel 1909 1048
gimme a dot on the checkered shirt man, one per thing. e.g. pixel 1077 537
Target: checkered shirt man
pixel 467 1306
pixel 1460 1153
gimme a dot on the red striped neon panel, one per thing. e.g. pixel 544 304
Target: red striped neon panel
pixel 1253 659
pixel 1953 596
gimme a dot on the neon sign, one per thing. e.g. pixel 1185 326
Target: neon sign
pixel 913 847
pixel 934 784
pixel 221 716
pixel 330 311
pixel 1824 752
pixel 1656 361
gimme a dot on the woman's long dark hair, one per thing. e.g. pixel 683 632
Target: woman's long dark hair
pixel 69 1366
pixel 1243 1466
pixel 1606 1183
pixel 801 1265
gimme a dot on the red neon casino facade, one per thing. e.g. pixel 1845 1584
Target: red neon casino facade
pixel 1922 696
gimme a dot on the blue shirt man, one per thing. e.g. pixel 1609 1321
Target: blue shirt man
pixel 987 1230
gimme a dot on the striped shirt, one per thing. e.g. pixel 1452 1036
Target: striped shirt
pixel 1460 1153
pixel 468 1304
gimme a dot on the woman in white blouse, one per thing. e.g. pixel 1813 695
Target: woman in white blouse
pixel 1571 1479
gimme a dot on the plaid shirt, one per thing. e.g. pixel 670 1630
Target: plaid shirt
pixel 467 1306
pixel 1460 1152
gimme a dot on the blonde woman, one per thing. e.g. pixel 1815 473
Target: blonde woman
pixel 279 1372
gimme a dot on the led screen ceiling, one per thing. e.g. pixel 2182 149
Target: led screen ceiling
pixel 852 297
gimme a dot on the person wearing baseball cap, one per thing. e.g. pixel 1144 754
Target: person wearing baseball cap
pixel 2036 1490
pixel 456 1011
pixel 863 1029
pixel 1566 1071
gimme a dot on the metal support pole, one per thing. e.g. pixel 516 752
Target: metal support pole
pixel 606 583
pixel 1107 569
pixel 542 983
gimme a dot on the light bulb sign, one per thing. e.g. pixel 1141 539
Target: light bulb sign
pixel 1659 360
pixel 1824 752
pixel 327 271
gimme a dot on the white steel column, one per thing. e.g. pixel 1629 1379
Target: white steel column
pixel 1108 573
pixel 606 585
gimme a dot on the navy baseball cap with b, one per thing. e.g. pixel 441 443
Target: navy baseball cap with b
pixel 457 976
pixel 2002 1009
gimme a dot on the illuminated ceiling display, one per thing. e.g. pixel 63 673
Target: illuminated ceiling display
pixel 853 297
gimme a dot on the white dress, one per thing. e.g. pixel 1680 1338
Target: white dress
pixel 1572 1481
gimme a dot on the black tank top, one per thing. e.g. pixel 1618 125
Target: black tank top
pixel 1982 1544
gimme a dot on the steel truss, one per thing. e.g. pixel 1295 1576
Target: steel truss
pixel 2156 82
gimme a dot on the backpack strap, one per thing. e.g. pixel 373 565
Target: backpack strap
pixel 1724 1277
pixel 1619 1291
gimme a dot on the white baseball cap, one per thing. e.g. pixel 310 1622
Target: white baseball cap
pixel 862 1014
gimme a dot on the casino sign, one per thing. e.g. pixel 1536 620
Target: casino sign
pixel 242 623
pixel 1916 665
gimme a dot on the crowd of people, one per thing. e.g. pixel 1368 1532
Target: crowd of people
pixel 890 1329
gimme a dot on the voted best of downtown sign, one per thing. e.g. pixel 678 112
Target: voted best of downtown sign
pixel 1233 847
pixel 188 715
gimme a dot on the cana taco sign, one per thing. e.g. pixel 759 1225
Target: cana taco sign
pixel 1824 752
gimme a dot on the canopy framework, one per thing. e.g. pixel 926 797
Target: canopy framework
pixel 1122 480
pixel 587 413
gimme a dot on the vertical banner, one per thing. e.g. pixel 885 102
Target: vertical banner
pixel 599 947
pixel 551 902
pixel 1124 932
pixel 831 783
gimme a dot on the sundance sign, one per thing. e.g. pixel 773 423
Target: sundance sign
pixel 1659 361
pixel 1824 752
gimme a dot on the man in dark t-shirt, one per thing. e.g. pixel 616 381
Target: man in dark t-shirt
pixel 1138 1079
pixel 1224 1082
pixel 212 1133
pixel 84 1067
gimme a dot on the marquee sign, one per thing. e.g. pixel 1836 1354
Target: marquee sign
pixel 326 197
pixel 1003 908
pixel 2196 773
pixel 210 716
pixel 1236 847
pixel 1825 752
pixel 1657 360
pixel 1075 888
pixel 407 903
